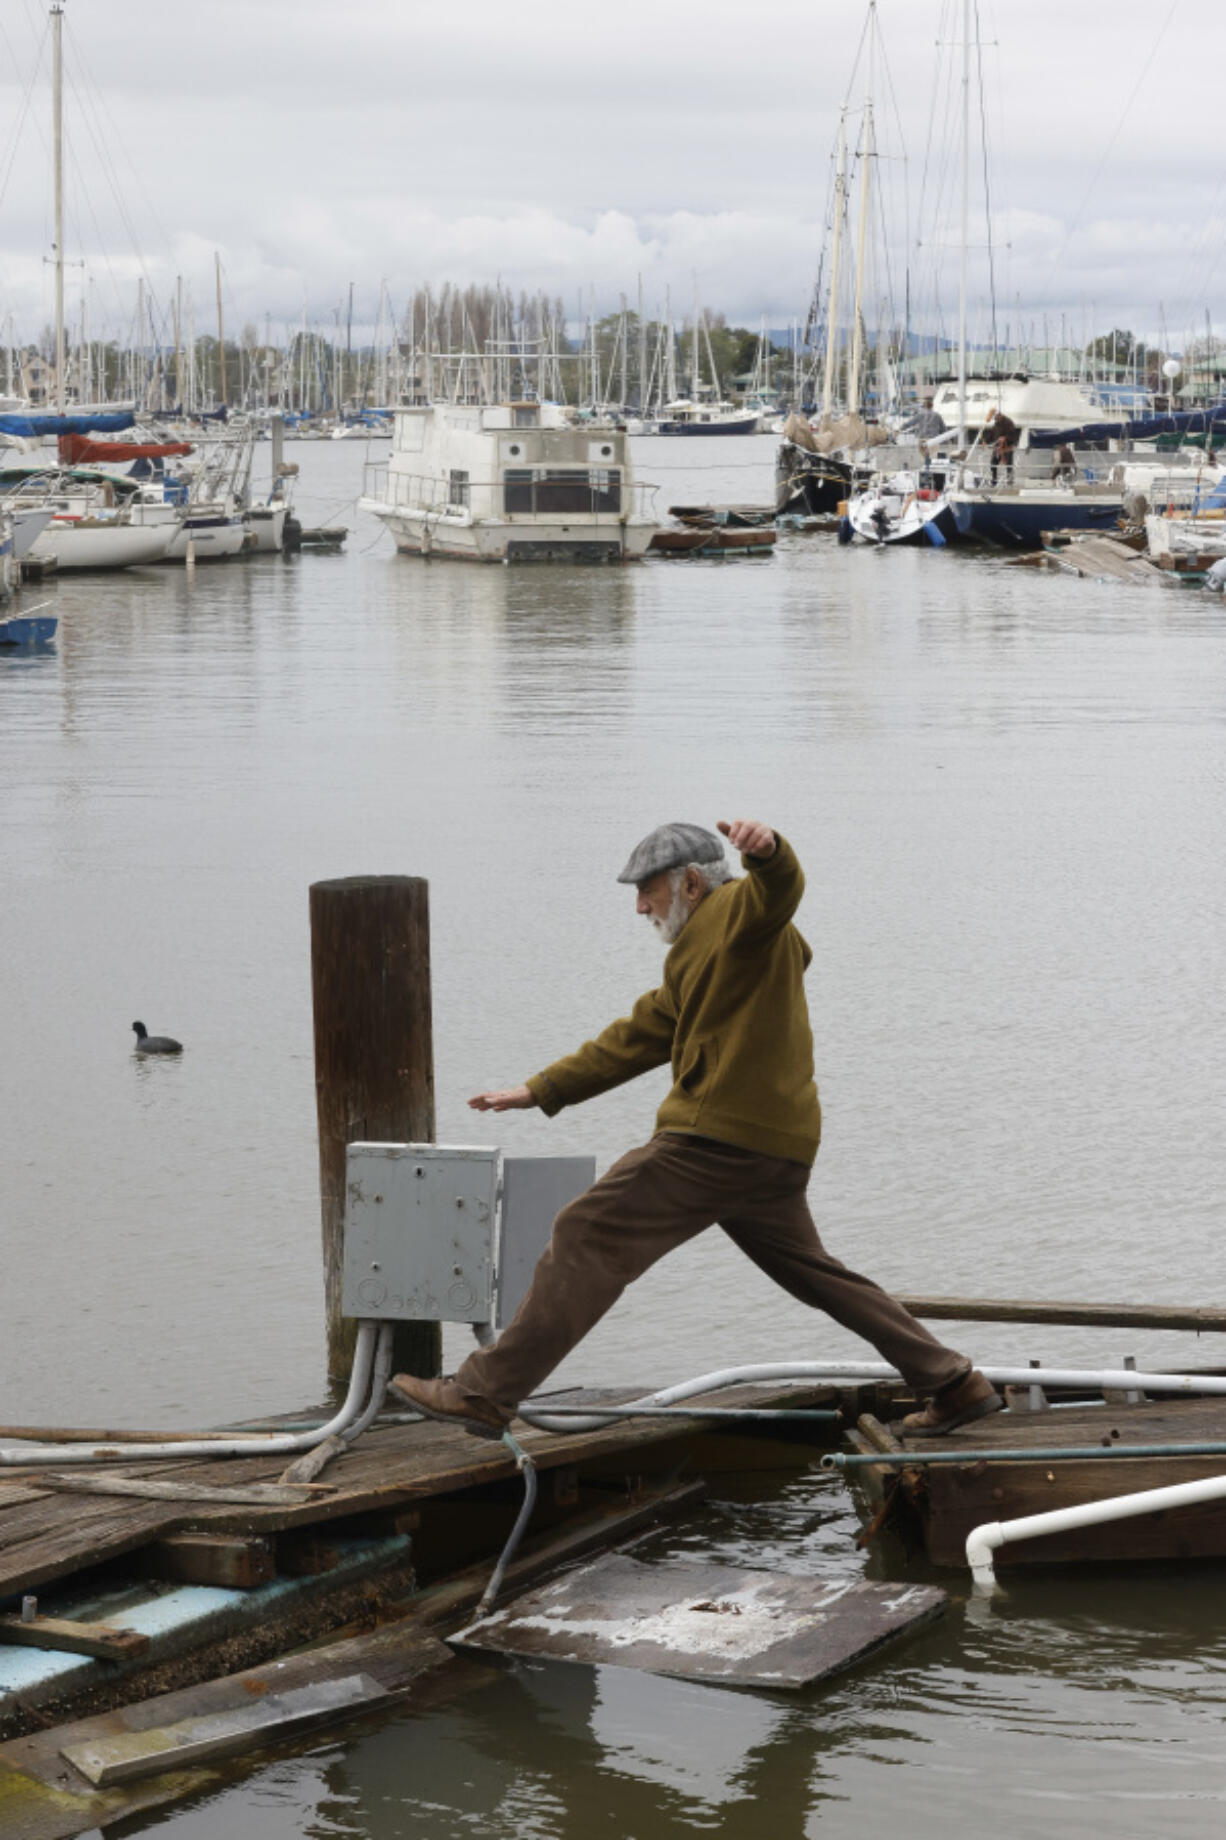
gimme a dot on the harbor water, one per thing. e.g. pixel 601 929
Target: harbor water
pixel 1006 788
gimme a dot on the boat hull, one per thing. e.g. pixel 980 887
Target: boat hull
pixel 498 540
pixel 86 544
pixel 213 539
pixel 901 517
pixel 743 424
pixel 1018 521
pixel 267 524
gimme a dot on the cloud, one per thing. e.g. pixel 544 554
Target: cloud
pixel 574 152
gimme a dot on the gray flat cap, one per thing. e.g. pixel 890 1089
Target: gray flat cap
pixel 670 846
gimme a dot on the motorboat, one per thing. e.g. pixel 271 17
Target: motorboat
pixel 899 509
pixel 686 416
pixel 509 482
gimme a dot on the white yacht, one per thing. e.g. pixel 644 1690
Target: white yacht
pixel 1030 402
pixel 509 482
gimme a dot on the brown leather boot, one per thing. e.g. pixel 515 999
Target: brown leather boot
pixel 967 1399
pixel 450 1404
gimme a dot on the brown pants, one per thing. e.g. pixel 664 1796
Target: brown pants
pixel 658 1197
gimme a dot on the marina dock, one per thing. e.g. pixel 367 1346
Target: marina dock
pixel 406 1505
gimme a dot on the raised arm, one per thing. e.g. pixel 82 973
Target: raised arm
pixel 770 893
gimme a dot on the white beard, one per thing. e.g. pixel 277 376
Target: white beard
pixel 671 926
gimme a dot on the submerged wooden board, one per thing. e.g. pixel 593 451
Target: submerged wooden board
pixel 716 1623
pixel 133 1754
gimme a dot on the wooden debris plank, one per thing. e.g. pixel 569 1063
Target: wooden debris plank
pixel 1201 1319
pixel 705 1622
pixel 209 1494
pixel 314 1462
pixel 220 1734
pixel 100 1640
pixel 229 1560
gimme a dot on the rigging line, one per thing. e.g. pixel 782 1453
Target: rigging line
pixel 1119 126
pixel 89 115
pixel 987 196
pixel 25 101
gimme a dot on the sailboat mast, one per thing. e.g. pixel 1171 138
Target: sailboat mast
pixel 57 137
pixel 857 317
pixel 221 337
pixel 836 246
pixel 866 180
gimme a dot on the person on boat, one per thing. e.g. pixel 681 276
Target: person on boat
pixel 734 1142
pixel 926 423
pixel 1064 466
pixel 1004 434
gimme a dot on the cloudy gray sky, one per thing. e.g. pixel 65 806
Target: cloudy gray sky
pixel 573 148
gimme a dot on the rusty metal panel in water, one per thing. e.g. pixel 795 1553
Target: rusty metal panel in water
pixel 419 1232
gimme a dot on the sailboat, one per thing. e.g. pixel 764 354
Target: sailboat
pixel 92 524
pixel 704 415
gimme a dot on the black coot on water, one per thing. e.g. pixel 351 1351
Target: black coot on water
pixel 155 1044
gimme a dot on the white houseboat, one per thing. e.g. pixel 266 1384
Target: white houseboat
pixel 509 482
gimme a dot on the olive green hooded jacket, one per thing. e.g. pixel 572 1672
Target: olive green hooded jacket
pixel 731 1018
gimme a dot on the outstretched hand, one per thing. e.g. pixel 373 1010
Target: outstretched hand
pixel 509 1099
pixel 749 836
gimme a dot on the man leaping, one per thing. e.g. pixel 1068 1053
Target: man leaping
pixel 734 1142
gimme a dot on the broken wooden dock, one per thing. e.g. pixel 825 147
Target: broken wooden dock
pixel 319 1602
pixel 273 1565
pixel 934 1507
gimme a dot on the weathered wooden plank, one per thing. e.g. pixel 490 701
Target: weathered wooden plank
pixel 47 1535
pixel 232 1561
pixel 100 1640
pixel 42 1799
pixel 149 1488
pixel 1201 1318
pixel 220 1734
pixel 305 1555
pixel 705 1622
pixel 313 1463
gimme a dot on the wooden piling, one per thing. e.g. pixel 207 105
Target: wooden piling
pixel 374 1063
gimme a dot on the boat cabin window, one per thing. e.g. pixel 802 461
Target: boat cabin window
pixel 560 491
pixel 525 416
pixel 457 488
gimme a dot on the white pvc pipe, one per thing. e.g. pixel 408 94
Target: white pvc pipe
pixel 983 1541
pixel 1121 1379
pixel 371 1337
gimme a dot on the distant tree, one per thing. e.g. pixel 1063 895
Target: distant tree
pixel 1115 347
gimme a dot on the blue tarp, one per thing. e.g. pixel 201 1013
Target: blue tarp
pixel 1138 428
pixel 113 421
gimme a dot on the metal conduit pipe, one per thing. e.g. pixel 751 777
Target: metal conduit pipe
pixel 384 1351
pixel 1118 1379
pixel 371 1336
pixel 1106 1452
pixel 983 1541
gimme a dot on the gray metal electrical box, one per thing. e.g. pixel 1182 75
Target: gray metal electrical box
pixel 426 1239
pixel 419 1232
pixel 534 1189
